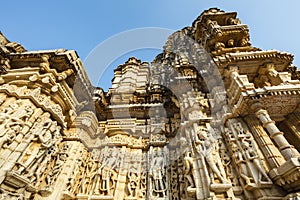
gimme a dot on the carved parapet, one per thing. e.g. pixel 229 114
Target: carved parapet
pixel 118 139
pixel 243 58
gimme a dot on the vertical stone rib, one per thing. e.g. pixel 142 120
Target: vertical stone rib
pixel 269 150
pixel 287 150
pixel 293 122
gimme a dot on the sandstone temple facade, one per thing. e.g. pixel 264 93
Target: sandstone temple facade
pixel 212 117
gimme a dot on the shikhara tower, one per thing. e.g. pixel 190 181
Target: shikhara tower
pixel 210 118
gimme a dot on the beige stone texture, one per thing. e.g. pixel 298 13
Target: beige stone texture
pixel 212 117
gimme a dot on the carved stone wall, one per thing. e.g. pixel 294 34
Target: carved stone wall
pixel 210 118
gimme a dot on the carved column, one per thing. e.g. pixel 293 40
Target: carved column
pixel 293 122
pixel 287 150
pixel 270 151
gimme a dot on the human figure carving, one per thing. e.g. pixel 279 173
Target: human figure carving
pixel 55 170
pixel 7 120
pixel 37 172
pixel 201 135
pixel 143 180
pixel 96 179
pixel 188 163
pixel 181 177
pixel 37 168
pixel 208 150
pixel 26 113
pixel 133 179
pixel 133 176
pixel 11 108
pixel 227 161
pixel 13 129
pixel 38 148
pixel 241 163
pixel 157 174
pixel 90 171
pixel 72 183
pixel 28 157
pixel 239 128
pixel 252 156
pixel 42 124
pixel 108 169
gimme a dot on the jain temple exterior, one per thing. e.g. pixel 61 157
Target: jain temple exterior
pixel 211 117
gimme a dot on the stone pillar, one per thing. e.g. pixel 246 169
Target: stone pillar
pixel 269 150
pixel 287 150
pixel 293 122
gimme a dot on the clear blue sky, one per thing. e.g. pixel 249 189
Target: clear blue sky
pixel 82 25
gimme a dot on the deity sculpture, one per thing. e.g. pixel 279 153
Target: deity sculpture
pixel 157 174
pixel 188 163
pixel 207 147
pixel 108 170
pixel 241 164
pixel 253 158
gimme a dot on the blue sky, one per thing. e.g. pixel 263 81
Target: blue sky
pixel 82 25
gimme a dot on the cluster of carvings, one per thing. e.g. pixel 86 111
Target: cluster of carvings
pixel 212 118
